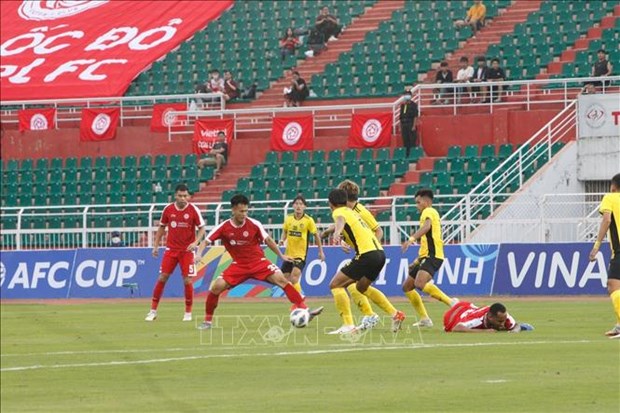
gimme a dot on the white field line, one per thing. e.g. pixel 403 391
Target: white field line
pixel 284 353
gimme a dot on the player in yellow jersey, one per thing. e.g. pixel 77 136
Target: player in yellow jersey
pixel 296 232
pixel 429 259
pixel 363 269
pixel 610 209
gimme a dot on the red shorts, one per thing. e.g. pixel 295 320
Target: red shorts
pixel 185 259
pixel 235 274
pixel 452 316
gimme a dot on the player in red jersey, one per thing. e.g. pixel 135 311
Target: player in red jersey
pixel 182 219
pixel 242 237
pixel 465 317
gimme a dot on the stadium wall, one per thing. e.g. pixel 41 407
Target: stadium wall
pixel 469 269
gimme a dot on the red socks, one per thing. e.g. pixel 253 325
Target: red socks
pixel 293 296
pixel 211 305
pixel 189 297
pixel 157 293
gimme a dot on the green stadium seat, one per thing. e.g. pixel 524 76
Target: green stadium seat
pixel 454 152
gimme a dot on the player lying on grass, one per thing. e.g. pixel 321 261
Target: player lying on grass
pixel 242 237
pixel 363 269
pixel 465 317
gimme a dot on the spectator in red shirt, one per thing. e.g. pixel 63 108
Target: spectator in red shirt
pixel 288 43
pixel 231 89
pixel 215 83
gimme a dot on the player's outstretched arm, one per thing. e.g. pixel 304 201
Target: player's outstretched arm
pixel 274 247
pixel 330 230
pixel 417 235
pixel 199 236
pixel 460 328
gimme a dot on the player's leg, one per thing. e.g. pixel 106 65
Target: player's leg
pixel 213 296
pixel 423 279
pixel 361 301
pixel 337 286
pixel 188 271
pixel 277 278
pixel 168 263
pixel 613 287
pixel 294 278
pixel 414 297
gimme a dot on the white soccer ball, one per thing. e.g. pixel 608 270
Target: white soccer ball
pixel 300 317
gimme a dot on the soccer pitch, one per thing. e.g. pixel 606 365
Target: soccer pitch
pixel 102 357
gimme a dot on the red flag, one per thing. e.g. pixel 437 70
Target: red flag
pixel 371 130
pixel 292 133
pixel 37 119
pixel 162 118
pixel 99 124
pixel 205 134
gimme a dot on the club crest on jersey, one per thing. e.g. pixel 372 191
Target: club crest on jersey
pixel 186 216
pixel 246 234
pixel 173 224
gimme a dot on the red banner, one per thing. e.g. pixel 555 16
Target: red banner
pixel 70 49
pixel 205 134
pixel 162 118
pixel 37 119
pixel 292 133
pixel 99 124
pixel 371 130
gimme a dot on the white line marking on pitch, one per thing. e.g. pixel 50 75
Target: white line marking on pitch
pixel 280 353
pixel 495 381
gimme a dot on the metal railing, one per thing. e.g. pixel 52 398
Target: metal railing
pixel 509 176
pixel 544 218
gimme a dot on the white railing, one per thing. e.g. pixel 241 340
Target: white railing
pixel 545 218
pixel 511 173
pixel 132 107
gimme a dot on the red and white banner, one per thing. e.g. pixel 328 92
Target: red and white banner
pixel 99 124
pixel 71 49
pixel 292 133
pixel 162 117
pixel 37 119
pixel 205 134
pixel 371 130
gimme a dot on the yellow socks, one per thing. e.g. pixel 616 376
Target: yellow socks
pixel 343 305
pixel 615 299
pixel 297 286
pixel 416 302
pixel 360 300
pixel 434 291
pixel 380 299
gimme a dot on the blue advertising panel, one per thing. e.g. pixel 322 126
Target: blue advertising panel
pixel 35 274
pixel 550 269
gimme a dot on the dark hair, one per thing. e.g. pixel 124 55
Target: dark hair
pixel 601 51
pixel 464 59
pixel 338 197
pixel 481 59
pixel 300 198
pixel 239 199
pixel 181 188
pixel 215 71
pixel 296 73
pixel 495 59
pixel 443 64
pixel 428 193
pixel 221 133
pixel 616 181
pixel 497 308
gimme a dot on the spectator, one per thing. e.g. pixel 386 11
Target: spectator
pixel 288 43
pixel 409 122
pixel 297 92
pixel 464 75
pixel 316 43
pixel 588 89
pixel 215 83
pixel 116 239
pixel 480 75
pixel 328 25
pixel 496 74
pixel 444 75
pixel 601 68
pixel 231 88
pixel 475 18
pixel 218 155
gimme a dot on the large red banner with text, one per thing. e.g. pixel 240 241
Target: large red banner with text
pixel 292 133
pixel 99 124
pixel 70 49
pixel 162 117
pixel 206 131
pixel 37 119
pixel 370 130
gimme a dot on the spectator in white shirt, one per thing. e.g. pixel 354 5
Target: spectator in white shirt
pixel 464 75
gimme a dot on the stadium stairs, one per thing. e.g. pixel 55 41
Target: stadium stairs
pixel 354 33
pixel 490 34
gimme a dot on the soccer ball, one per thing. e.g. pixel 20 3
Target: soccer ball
pixel 300 317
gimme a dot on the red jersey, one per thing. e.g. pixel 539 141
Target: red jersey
pixel 182 224
pixel 242 242
pixel 473 317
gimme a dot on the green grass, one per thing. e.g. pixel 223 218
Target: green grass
pixel 102 357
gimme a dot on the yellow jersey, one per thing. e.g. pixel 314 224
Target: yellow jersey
pixel 297 234
pixel 367 216
pixel 431 244
pixel 611 204
pixel 356 232
pixel 477 11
